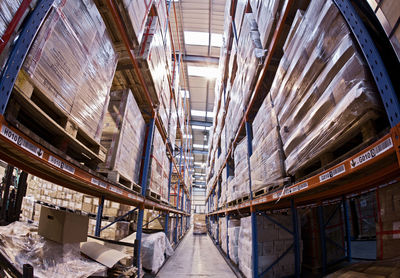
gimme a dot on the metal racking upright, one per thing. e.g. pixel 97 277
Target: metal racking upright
pixel 32 154
pixel 377 164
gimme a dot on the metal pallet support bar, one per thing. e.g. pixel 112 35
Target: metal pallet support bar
pixel 277 223
pixel 154 219
pixel 169 197
pixel 20 50
pixel 119 218
pixel 347 227
pixel 99 216
pixel 322 237
pixel 227 235
pixel 296 239
pixel 374 60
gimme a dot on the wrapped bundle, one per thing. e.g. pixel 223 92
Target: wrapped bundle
pixel 158 174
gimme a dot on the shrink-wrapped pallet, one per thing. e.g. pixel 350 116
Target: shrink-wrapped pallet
pixel 233 234
pixel 123 135
pixel 8 8
pixel 322 92
pixel 158 183
pixel 72 63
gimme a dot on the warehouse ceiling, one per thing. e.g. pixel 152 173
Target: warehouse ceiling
pixel 200 27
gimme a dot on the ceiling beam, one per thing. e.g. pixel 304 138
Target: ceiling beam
pixel 200 152
pixel 201 123
pixel 200 59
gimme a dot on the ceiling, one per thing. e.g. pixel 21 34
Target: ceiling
pixel 206 16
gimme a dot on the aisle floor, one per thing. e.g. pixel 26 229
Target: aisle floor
pixel 196 256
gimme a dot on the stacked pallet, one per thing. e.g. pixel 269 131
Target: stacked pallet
pixel 72 64
pixel 233 236
pixel 238 186
pixel 272 242
pixel 123 136
pixel 322 92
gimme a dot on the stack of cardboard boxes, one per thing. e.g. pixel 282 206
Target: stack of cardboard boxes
pixel 272 242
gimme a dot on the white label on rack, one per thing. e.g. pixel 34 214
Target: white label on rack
pixel 303 185
pixel 368 155
pixel 18 140
pixel 99 183
pixel 333 173
pixel 116 190
pixel 60 164
pixel 132 196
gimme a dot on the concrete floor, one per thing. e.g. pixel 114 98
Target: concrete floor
pixel 196 256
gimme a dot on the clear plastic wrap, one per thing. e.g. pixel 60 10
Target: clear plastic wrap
pixel 135 15
pixel 233 233
pixel 8 8
pixel 21 244
pixel 123 135
pixel 158 171
pixel 240 155
pixel 322 92
pixel 199 224
pixel 72 62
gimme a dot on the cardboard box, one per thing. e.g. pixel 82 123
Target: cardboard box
pixel 62 226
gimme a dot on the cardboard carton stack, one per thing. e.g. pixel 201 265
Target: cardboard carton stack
pixel 123 136
pixel 233 236
pixel 322 92
pixel 72 62
pixel 199 224
pixel 388 224
pixel 40 190
pixel 239 187
pixel 312 238
pixel 366 209
pixel 272 242
pixel 267 161
pixel 159 167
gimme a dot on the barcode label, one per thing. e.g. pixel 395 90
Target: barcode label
pixel 333 173
pixel 60 164
pixel 99 183
pixel 130 195
pixel 18 140
pixel 303 185
pixel 368 155
pixel 116 190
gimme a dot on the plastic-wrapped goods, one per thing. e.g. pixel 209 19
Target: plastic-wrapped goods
pixel 199 224
pixel 134 14
pixel 153 63
pixel 241 6
pixel 240 156
pixel 123 135
pixel 233 234
pixel 21 244
pixel 158 174
pixel 267 14
pixel 72 62
pixel 8 8
pixel 322 91
pixel 272 242
pixel 267 162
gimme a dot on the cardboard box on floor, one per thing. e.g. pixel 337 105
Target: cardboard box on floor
pixel 62 226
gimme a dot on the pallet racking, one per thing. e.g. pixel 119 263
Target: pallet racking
pixel 369 168
pixel 30 153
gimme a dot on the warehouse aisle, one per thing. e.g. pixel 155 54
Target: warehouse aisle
pixel 196 256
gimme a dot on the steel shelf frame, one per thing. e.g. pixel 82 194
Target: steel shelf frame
pixel 311 189
pixel 25 153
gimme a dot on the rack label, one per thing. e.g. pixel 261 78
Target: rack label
pixel 333 173
pixel 60 164
pixel 18 140
pixel 368 155
pixel 99 183
pixel 116 190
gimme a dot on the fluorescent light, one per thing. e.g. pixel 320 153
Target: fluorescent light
pixel 207 72
pixel 199 127
pixel 202 38
pixel 187 136
pixel 198 163
pixel 200 146
pixel 201 113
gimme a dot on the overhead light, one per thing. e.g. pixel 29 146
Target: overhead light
pixel 200 146
pixel 198 163
pixel 207 72
pixel 199 127
pixel 201 113
pixel 187 136
pixel 202 38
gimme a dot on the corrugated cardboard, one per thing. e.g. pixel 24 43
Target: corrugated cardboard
pixel 62 226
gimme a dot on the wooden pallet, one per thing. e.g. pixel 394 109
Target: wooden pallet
pixel 355 139
pixel 266 190
pixel 153 195
pixel 29 108
pixel 116 177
